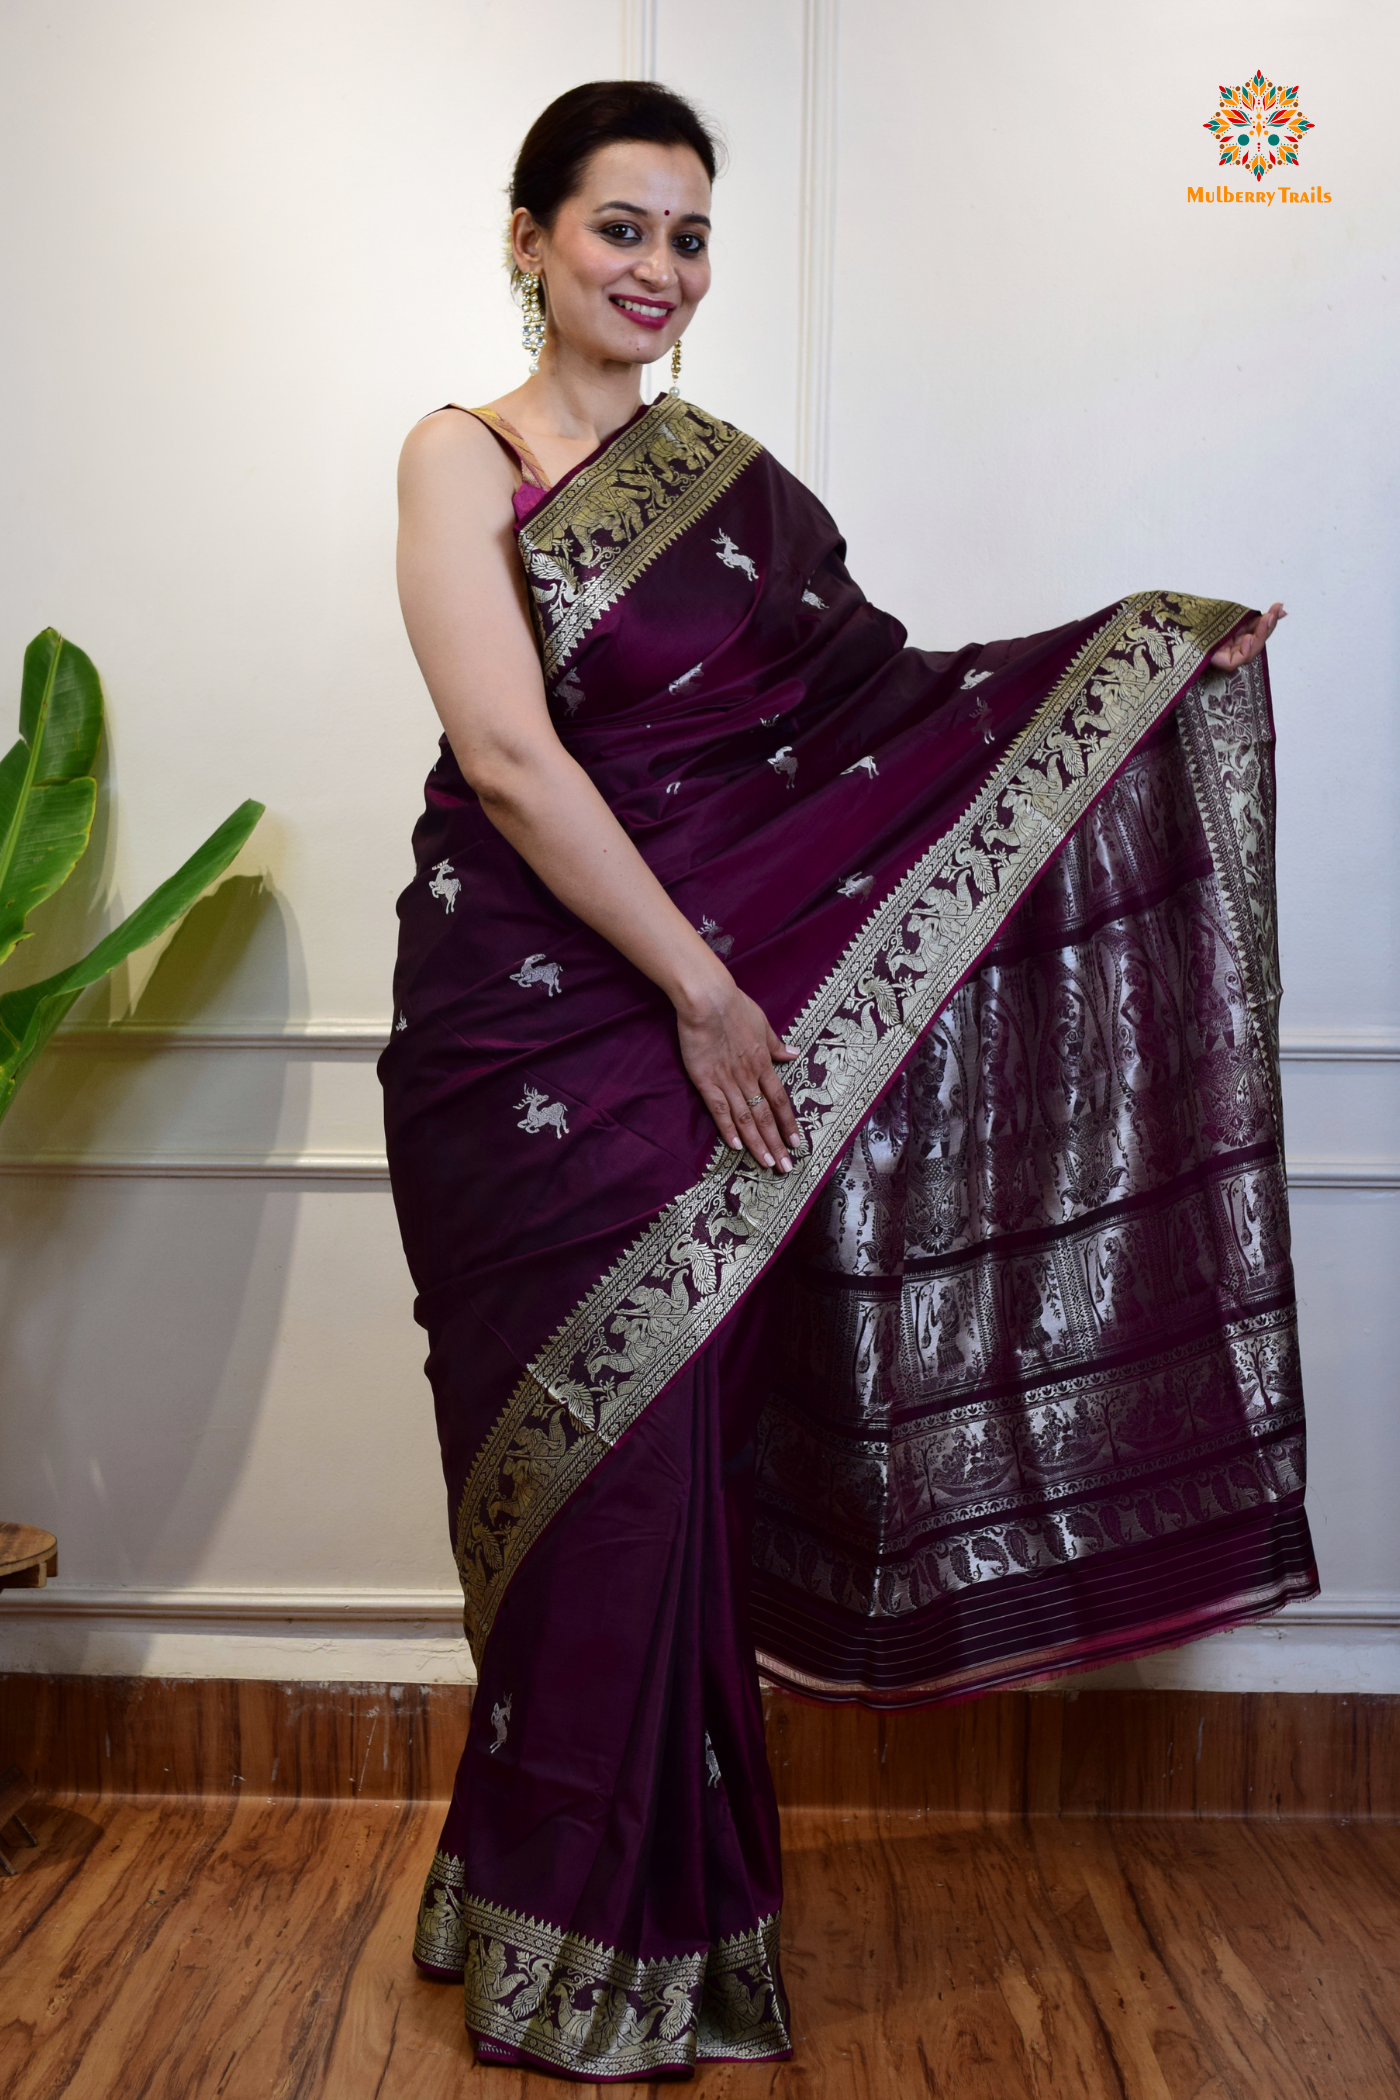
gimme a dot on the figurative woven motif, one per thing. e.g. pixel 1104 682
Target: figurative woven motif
pixel 998 1360
pixel 586 546
pixel 537 969
pixel 666 1296
pixel 441 1939
pixel 1228 739
pixel 578 2006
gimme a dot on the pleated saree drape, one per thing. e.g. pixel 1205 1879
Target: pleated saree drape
pixel 1002 1379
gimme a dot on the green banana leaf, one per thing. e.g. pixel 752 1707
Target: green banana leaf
pixel 47 792
pixel 48 798
pixel 29 1016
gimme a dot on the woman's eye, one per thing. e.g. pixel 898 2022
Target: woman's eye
pixel 621 231
pixel 690 243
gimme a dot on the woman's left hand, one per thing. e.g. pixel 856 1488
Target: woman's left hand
pixel 1246 642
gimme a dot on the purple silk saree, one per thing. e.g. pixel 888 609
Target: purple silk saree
pixel 1003 1378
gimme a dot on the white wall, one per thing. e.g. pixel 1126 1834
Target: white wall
pixel 959 286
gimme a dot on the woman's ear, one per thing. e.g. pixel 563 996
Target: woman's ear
pixel 525 239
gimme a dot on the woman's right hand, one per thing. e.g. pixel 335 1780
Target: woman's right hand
pixel 1247 642
pixel 729 1051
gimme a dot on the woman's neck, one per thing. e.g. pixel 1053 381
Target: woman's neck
pixel 572 404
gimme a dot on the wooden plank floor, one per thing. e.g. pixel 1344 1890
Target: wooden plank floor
pixel 259 1950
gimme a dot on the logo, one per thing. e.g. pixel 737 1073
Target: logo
pixel 1258 126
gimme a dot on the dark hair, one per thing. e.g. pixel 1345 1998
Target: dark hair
pixel 564 137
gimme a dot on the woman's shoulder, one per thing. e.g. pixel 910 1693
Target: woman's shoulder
pixel 452 450
pixel 453 431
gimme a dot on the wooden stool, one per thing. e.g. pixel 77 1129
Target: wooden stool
pixel 27 1559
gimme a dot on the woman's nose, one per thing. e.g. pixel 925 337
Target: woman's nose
pixel 654 267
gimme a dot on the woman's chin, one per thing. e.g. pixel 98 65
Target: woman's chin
pixel 616 347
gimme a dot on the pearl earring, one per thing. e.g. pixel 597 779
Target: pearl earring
pixel 676 368
pixel 532 306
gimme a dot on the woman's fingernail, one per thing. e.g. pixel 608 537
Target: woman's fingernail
pixel 786 1164
pixel 734 1145
pixel 767 1159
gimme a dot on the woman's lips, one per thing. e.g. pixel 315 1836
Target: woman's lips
pixel 646 313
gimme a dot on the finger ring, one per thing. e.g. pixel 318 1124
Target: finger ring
pixel 755 1100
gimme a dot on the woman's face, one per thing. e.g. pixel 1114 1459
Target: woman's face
pixel 627 260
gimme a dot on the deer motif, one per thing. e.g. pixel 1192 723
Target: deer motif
pixel 570 691
pixel 445 884
pixel 731 557
pixel 864 765
pixel 809 597
pixel 784 761
pixel 542 1114
pixel 500 1716
pixel 714 936
pixel 855 886
pixel 535 970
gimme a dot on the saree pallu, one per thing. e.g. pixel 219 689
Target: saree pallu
pixel 1000 1381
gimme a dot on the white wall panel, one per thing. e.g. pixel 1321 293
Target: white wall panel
pixel 1076 384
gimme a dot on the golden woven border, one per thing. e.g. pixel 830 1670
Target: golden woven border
pixel 586 546
pixel 582 2007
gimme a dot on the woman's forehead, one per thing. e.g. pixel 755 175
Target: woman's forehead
pixel 643 176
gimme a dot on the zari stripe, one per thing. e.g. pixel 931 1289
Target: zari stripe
pixel 586 546
pixel 663 1298
pixel 578 2006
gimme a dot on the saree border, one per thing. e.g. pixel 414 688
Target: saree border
pixel 582 2007
pixel 1058 1659
pixel 1227 734
pixel 1242 1469
pixel 585 547
pixel 668 1292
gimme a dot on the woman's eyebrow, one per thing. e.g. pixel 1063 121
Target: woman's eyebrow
pixel 687 218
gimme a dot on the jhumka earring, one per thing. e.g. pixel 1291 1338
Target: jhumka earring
pixel 676 368
pixel 532 333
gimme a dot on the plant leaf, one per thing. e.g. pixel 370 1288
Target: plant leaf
pixel 61 702
pixel 29 1015
pixel 17 1053
pixel 47 794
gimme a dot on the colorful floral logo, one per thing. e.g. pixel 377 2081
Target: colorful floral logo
pixel 1258 126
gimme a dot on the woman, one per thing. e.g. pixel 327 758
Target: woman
pixel 942 1340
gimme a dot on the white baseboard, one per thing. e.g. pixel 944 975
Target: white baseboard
pixel 1347 1643
pixel 320 1636
pixel 1340 1642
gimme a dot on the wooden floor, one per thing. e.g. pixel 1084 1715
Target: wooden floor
pixel 178 1948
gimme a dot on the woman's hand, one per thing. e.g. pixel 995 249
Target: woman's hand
pixel 729 1051
pixel 1245 644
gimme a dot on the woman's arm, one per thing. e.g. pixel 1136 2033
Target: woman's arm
pixel 463 596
